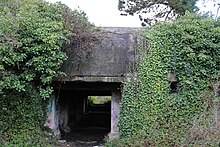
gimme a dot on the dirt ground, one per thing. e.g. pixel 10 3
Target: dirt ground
pixel 84 137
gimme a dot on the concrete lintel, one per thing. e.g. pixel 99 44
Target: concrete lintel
pixel 92 79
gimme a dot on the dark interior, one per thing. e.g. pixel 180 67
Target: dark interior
pixel 88 122
pixel 83 114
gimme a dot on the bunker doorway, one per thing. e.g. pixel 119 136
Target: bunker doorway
pixel 70 110
pixel 84 116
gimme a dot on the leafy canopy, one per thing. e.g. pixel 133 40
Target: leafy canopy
pixel 32 38
pixel 161 9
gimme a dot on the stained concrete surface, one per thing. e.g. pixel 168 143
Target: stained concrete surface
pixel 108 61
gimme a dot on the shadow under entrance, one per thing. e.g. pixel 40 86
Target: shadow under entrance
pixel 87 112
pixel 85 116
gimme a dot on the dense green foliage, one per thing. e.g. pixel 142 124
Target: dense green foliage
pixel 161 110
pixel 33 38
pixel 31 41
pixel 22 118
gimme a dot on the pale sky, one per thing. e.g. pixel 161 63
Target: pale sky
pixel 105 13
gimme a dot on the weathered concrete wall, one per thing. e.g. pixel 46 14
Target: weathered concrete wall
pixel 110 60
pixel 99 72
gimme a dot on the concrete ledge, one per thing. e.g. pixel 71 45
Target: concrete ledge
pixel 92 79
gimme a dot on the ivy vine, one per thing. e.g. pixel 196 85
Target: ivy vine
pixel 159 108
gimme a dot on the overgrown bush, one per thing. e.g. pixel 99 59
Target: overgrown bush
pixel 34 35
pixel 174 81
pixel 22 118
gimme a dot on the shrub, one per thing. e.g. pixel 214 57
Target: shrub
pixel 174 75
pixel 34 35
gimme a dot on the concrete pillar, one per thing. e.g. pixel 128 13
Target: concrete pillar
pixel 52 120
pixel 115 112
pixel 64 118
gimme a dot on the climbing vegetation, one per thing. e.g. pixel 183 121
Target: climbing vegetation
pixel 22 118
pixel 34 35
pixel 172 93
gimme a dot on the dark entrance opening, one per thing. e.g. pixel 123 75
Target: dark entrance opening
pixel 85 112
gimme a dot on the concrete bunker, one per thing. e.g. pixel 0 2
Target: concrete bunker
pixel 77 117
pixel 99 73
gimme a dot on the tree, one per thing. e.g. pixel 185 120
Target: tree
pixel 160 9
pixel 34 35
